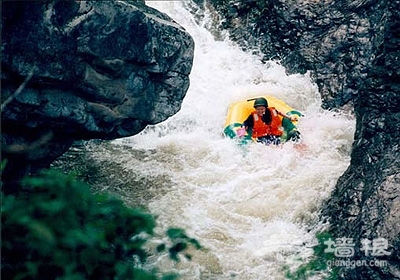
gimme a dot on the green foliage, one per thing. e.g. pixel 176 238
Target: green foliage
pixel 56 228
pixel 180 242
pixel 3 164
pixel 318 262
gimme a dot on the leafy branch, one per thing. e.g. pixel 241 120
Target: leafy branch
pixel 56 228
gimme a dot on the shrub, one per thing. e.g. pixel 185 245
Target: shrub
pixel 56 228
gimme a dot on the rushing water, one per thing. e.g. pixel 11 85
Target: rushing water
pixel 251 209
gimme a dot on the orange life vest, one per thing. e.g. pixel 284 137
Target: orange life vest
pixel 262 129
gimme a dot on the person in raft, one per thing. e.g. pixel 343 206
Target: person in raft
pixel 265 125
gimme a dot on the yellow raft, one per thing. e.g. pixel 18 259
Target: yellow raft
pixel 239 111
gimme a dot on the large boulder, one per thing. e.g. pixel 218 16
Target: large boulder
pixel 86 69
pixel 351 49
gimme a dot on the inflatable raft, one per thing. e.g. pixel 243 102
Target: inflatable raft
pixel 239 111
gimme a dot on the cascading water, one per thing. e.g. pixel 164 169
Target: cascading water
pixel 251 209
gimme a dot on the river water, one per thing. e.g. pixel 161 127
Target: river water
pixel 254 210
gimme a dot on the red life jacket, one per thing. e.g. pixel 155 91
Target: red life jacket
pixel 262 129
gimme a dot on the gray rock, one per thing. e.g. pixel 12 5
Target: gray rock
pixel 329 38
pixel 352 50
pixel 366 201
pixel 101 69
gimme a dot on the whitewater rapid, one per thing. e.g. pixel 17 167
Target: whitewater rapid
pixel 253 210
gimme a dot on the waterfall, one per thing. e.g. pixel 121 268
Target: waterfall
pixel 254 209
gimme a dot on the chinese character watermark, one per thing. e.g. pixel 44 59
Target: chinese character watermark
pixel 344 248
pixel 378 248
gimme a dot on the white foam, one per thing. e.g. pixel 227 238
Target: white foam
pixel 249 207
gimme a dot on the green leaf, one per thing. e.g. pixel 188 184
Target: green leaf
pixel 175 233
pixel 3 164
pixel 42 233
pixel 195 243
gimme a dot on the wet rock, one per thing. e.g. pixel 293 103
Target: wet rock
pixel 98 69
pixel 329 38
pixel 352 50
pixel 366 201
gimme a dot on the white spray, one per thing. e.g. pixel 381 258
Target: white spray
pixel 252 210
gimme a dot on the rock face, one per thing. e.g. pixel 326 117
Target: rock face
pixel 92 69
pixel 352 50
pixel 366 201
pixel 329 38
